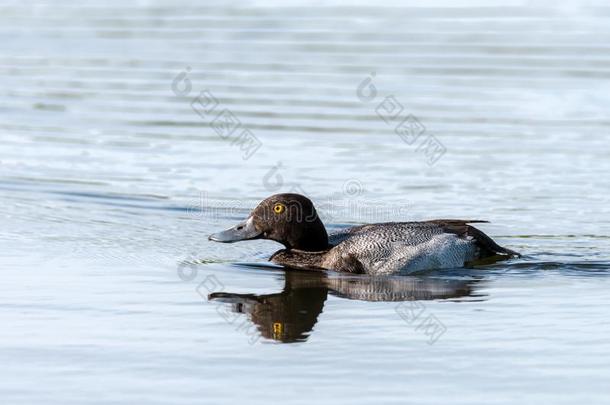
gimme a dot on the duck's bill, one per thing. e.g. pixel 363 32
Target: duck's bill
pixel 242 231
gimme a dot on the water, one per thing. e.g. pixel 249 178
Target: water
pixel 110 183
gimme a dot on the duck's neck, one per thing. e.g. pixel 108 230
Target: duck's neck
pixel 310 237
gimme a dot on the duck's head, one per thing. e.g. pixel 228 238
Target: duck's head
pixel 289 219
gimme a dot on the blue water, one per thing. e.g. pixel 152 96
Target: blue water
pixel 113 171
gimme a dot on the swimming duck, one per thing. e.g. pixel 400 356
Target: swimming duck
pixel 376 249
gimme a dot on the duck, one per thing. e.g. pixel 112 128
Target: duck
pixel 386 248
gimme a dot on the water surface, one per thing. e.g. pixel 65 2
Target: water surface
pixel 111 179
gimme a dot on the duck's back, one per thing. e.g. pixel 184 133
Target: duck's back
pixel 406 247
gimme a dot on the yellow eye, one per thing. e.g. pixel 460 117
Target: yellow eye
pixel 278 329
pixel 279 208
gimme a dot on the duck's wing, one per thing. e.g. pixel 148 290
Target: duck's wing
pixel 407 247
pixel 386 232
pixel 418 232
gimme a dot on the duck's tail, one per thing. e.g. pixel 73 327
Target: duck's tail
pixel 461 227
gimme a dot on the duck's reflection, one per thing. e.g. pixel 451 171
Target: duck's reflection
pixel 290 315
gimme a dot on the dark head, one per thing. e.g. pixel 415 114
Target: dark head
pixel 289 219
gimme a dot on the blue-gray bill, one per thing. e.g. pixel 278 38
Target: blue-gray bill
pixel 242 231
